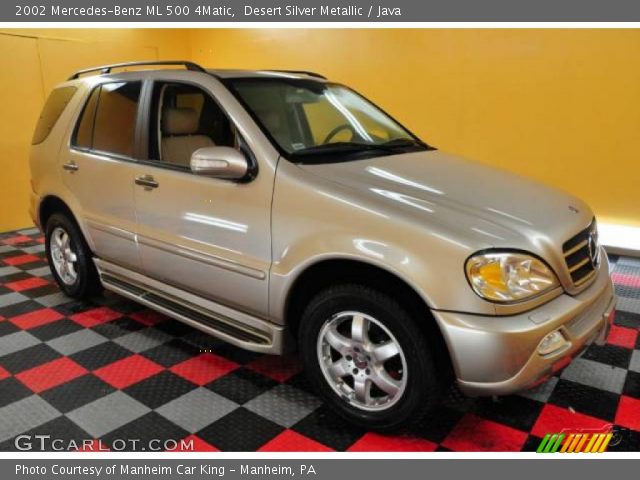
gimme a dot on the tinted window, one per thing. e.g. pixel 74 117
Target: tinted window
pixel 84 131
pixel 108 121
pixel 53 108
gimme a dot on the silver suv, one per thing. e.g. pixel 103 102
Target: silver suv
pixel 275 209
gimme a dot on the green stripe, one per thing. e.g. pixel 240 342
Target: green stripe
pixel 558 443
pixel 543 443
pixel 550 443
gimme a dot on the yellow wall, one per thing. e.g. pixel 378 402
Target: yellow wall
pixel 558 105
pixel 32 62
pixel 562 106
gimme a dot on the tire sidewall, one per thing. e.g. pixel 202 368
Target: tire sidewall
pixel 422 388
pixel 83 269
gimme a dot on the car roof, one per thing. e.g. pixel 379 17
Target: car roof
pixel 235 73
pixel 105 72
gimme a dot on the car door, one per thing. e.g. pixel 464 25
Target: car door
pixel 98 169
pixel 208 236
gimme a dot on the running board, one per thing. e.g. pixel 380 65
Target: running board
pixel 237 328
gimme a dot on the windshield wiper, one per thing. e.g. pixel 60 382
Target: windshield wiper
pixel 406 142
pixel 344 147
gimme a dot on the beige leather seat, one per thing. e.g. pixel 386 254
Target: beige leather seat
pixel 178 140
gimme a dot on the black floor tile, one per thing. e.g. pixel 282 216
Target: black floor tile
pixel 159 389
pixel 632 385
pixel 55 329
pixel 241 385
pixel 609 354
pixel 151 430
pixel 584 399
pixel 100 355
pixel 171 353
pixel 324 426
pixel 77 392
pixel 240 431
pixel 12 390
pixel 28 358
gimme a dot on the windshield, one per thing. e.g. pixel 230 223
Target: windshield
pixel 315 121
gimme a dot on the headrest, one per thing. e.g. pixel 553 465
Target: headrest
pixel 179 121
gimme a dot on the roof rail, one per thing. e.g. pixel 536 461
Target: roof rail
pixel 302 72
pixel 105 69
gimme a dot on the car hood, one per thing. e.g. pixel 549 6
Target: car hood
pixel 496 207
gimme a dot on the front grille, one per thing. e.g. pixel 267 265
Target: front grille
pixel 582 254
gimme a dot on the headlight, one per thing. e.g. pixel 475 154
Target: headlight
pixel 509 277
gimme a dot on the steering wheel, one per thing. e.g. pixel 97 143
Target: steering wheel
pixel 337 130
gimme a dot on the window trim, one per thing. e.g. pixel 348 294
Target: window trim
pixel 78 120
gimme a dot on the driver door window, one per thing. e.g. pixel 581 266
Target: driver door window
pixel 184 119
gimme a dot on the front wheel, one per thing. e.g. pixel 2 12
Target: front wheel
pixel 367 357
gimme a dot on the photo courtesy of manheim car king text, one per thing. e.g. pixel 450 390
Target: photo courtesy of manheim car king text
pixel 319 239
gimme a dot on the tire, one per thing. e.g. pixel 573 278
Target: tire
pixel 411 372
pixel 86 282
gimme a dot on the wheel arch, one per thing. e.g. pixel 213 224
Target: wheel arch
pixel 51 204
pixel 322 274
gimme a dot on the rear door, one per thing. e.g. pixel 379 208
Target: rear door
pixel 99 168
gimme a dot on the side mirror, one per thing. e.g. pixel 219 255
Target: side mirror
pixel 219 162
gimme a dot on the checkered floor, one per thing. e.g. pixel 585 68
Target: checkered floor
pixel 110 369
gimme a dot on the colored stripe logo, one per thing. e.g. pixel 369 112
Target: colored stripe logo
pixel 579 442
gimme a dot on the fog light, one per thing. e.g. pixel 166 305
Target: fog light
pixel 551 343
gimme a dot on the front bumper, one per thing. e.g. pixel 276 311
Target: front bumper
pixel 499 355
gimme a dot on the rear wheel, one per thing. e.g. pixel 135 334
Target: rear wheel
pixel 367 357
pixel 69 258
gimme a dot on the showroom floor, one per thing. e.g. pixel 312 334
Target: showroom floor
pixel 111 369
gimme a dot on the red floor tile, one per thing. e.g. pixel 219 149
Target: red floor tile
pixel 622 337
pixel 204 368
pixel 126 372
pixel 555 419
pixel 290 441
pixel 20 259
pixel 474 434
pixel 36 318
pixel 628 414
pixel 51 374
pixel 280 368
pixel 376 442
pixel 148 317
pixel 632 281
pixel 94 317
pixel 17 239
pixel 26 284
pixel 197 445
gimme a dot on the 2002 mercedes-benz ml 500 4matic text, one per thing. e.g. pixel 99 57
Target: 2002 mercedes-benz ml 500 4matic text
pixel 275 209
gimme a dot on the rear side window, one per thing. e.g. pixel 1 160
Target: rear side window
pixel 108 121
pixel 53 108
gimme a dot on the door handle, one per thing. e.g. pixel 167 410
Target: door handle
pixel 71 167
pixel 147 182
